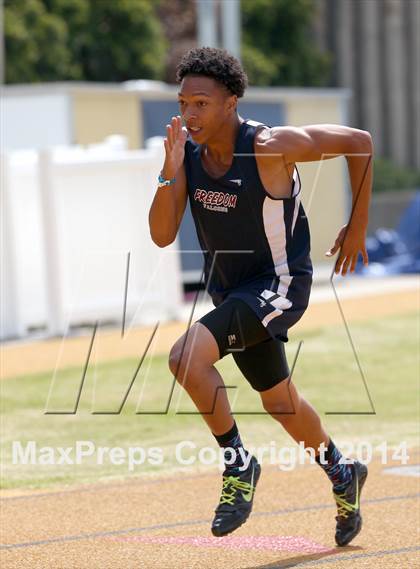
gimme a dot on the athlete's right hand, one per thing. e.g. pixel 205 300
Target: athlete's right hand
pixel 176 136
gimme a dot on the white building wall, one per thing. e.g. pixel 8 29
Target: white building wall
pixel 35 120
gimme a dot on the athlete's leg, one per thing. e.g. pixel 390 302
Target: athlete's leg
pixel 301 421
pixel 265 367
pixel 296 415
pixel 232 325
pixel 192 360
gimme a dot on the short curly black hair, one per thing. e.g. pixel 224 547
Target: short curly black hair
pixel 217 64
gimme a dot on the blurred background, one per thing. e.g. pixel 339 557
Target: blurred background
pixel 88 89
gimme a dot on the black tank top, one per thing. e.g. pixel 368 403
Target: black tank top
pixel 246 235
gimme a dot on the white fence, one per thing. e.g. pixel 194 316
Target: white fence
pixel 74 227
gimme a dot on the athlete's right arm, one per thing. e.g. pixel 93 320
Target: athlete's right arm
pixel 169 203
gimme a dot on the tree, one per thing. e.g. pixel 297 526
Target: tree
pixel 93 40
pixel 125 41
pixel 179 21
pixel 36 44
pixel 277 48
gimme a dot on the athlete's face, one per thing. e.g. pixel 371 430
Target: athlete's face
pixel 205 106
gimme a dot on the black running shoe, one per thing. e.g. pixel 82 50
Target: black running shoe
pixel 349 520
pixel 236 500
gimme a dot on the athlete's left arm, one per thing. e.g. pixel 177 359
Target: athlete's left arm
pixel 323 141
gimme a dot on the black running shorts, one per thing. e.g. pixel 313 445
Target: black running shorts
pixel 237 330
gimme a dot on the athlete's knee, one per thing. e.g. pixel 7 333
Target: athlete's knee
pixel 172 362
pixel 192 355
pixel 176 362
pixel 185 366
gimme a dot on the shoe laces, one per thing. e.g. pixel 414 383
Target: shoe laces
pixel 344 509
pixel 231 484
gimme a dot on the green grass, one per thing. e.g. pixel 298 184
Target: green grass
pixel 326 373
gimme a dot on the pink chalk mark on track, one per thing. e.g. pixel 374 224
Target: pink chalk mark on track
pixel 273 543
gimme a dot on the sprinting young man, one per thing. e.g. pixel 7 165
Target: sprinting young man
pixel 244 190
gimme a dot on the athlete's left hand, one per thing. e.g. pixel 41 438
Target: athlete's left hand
pixel 350 241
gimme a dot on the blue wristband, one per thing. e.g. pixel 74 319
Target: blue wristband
pixel 163 182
